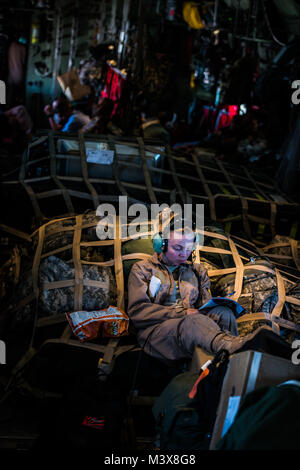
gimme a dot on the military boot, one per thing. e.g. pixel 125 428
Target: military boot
pixel 234 343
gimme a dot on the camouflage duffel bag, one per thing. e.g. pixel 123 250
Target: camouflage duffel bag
pixel 56 298
pixel 257 286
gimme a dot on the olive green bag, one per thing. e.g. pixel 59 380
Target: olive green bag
pixel 179 423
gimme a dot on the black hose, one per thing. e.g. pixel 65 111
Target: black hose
pixel 269 24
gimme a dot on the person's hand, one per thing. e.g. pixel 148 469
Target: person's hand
pixel 191 311
pixel 48 109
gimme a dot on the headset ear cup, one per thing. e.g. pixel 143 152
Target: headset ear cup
pixel 157 243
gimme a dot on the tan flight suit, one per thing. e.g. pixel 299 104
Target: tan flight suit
pixel 165 331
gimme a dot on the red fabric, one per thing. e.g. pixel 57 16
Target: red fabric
pixel 218 118
pixel 225 116
pixel 209 117
pixel 93 422
pixel 113 87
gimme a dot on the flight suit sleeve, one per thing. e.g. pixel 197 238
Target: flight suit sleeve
pixel 142 311
pixel 204 286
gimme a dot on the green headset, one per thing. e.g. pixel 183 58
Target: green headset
pixel 160 244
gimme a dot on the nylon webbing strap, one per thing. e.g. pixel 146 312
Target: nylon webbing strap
pixel 78 288
pixel 253 317
pixel 273 218
pixel 119 266
pixel 111 352
pixel 228 177
pixel 15 232
pixel 211 249
pixel 17 263
pixel 275 245
pixel 59 184
pixel 33 199
pixel 52 320
pixel 224 177
pixel 294 250
pixel 145 169
pixel 29 189
pixel 197 256
pixel 78 282
pixel 238 283
pixel 276 312
pixel 74 342
pixel 213 234
pixel 23 302
pixel 24 360
pixel 259 220
pixel 244 201
pixel 124 257
pixel 36 260
pixel 245 216
pixel 187 197
pixel 220 272
pixel 53 221
pixel 258 316
pixel 116 167
pixel 292 300
pixel 174 174
pixel 85 171
pixel 35 277
pixel 258 189
pixel 206 188
pixel 58 250
pixel 105 364
pixel 72 282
